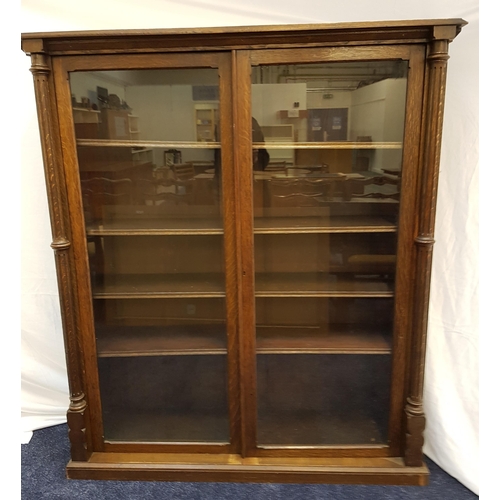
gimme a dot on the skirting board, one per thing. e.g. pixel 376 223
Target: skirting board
pixel 159 467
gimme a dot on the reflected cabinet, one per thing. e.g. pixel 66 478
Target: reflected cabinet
pixel 243 223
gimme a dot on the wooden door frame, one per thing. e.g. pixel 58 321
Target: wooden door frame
pixel 80 284
pixel 406 257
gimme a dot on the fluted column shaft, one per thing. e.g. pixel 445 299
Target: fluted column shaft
pixel 424 241
pixel 61 244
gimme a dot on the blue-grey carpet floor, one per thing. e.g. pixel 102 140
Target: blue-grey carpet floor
pixel 44 458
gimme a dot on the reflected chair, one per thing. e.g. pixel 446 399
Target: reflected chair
pixel 184 174
pixel 370 187
pixel 183 171
pixel 159 192
pixel 97 192
pixel 296 192
pixel 276 167
pixel 100 191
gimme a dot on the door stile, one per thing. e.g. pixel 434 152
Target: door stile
pixel 245 250
pixel 228 194
pixel 405 251
pixel 94 431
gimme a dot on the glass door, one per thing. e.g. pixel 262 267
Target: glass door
pixel 327 162
pixel 150 162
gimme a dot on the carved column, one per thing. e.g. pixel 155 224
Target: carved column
pixel 59 215
pixel 434 105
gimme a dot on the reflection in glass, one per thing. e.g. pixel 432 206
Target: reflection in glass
pixel 327 158
pixel 146 138
pixel 149 163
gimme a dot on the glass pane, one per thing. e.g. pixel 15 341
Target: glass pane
pixel 149 160
pixel 327 158
pixel 167 398
pixel 322 400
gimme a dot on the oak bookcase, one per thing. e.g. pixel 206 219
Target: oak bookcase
pixel 229 317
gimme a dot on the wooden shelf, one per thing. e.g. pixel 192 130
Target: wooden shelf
pixel 294 225
pixel 216 145
pixel 328 145
pixel 161 286
pixel 158 226
pixel 323 430
pixel 266 285
pixel 320 285
pixel 163 426
pixel 160 427
pixel 129 341
pixel 262 225
pixel 341 339
pixel 147 144
pixel 126 341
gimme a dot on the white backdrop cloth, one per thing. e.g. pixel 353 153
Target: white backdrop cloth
pixel 451 384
